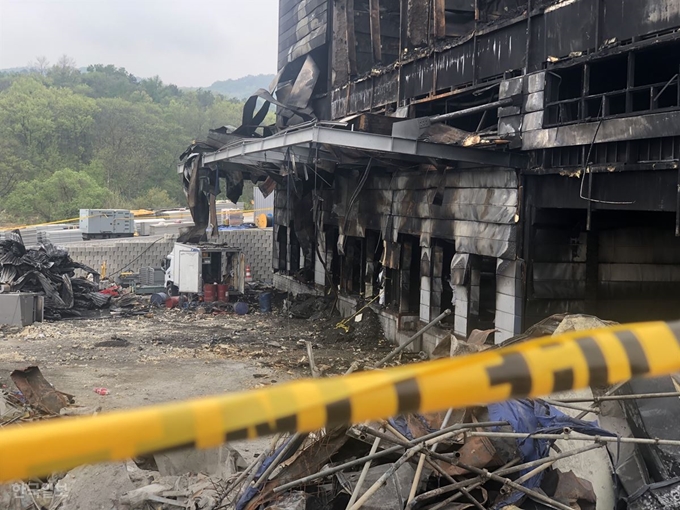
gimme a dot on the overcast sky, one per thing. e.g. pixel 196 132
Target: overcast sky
pixel 190 43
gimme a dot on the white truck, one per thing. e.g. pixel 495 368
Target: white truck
pixel 189 266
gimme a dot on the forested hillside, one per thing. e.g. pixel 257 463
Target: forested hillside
pixel 100 138
pixel 242 88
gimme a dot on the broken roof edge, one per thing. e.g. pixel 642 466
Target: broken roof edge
pixel 267 150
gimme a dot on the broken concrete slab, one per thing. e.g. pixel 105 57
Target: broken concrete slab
pixel 97 487
pixel 219 462
pixel 137 498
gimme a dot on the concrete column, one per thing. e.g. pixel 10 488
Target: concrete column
pixel 437 282
pixel 426 284
pixel 462 303
pixel 509 299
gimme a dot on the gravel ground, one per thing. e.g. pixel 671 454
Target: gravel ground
pixel 172 355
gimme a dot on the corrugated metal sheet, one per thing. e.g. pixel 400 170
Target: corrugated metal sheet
pixel 262 203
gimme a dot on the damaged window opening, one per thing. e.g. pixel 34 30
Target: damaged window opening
pixel 282 242
pixel 362 36
pixel 336 261
pixel 442 285
pixel 410 275
pixel 295 254
pixel 635 82
pixel 473 123
pixel 353 264
pixel 640 152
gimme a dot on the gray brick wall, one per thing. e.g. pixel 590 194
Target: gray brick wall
pixel 122 254
pixel 132 254
pixel 256 245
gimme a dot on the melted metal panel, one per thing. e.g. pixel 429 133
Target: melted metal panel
pixel 384 90
pixel 570 27
pixel 418 78
pixel 454 66
pixel 626 18
pixel 501 51
pixel 361 96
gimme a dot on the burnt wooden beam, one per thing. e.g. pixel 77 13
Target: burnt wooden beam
pixel 351 38
pixel 340 65
pixel 374 7
pixel 440 19
pixel 417 22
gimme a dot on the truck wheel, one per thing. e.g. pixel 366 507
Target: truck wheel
pixel 172 290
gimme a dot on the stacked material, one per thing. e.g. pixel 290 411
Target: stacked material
pixel 61 236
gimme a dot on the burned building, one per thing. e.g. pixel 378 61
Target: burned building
pixel 506 159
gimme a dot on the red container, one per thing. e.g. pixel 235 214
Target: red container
pixel 222 292
pixel 209 292
pixel 172 302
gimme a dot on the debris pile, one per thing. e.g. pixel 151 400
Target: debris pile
pixel 35 398
pixel 518 454
pixel 597 449
pixel 49 270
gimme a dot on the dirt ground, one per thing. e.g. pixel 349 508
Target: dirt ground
pixel 171 355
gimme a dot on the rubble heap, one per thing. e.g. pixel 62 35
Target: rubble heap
pixel 50 271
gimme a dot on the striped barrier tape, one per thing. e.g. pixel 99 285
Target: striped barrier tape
pixel 532 369
pixel 223 212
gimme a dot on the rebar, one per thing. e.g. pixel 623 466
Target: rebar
pixel 338 468
pixel 415 337
pixel 561 403
pixel 508 469
pixel 568 437
pixel 277 460
pixel 393 469
pixel 362 476
pixel 607 398
pixel 421 461
pixel 506 481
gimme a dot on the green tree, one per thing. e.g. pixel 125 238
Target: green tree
pixel 51 125
pixel 64 73
pixel 60 196
pixel 111 136
pixel 155 199
pixel 109 81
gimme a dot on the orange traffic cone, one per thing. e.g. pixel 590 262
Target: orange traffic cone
pixel 249 275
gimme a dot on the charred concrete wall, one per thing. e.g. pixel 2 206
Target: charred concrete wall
pixel 448 45
pixel 590 226
pixel 430 238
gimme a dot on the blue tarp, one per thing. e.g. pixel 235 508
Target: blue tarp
pixel 537 417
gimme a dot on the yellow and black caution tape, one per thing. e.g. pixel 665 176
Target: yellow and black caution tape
pixel 532 369
pixel 343 324
pixel 141 214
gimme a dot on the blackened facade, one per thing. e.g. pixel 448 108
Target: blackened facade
pixel 564 199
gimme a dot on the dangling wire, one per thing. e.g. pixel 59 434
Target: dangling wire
pixel 586 169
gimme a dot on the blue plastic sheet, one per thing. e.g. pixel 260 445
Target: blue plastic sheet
pixel 537 417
